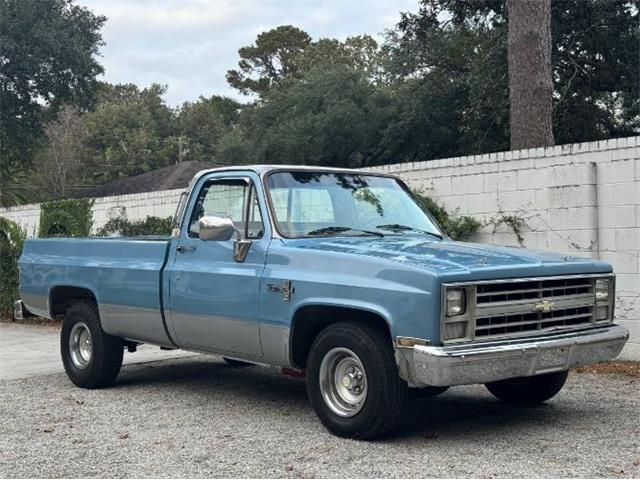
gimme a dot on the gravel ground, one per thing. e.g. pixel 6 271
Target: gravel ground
pixel 198 417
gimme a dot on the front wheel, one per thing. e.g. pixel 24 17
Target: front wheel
pixel 529 390
pixel 91 358
pixel 353 382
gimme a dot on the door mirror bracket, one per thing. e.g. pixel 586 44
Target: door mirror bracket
pixel 241 249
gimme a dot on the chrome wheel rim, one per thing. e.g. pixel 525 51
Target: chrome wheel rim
pixel 343 382
pixel 80 345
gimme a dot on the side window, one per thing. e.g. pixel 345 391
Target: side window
pixel 226 198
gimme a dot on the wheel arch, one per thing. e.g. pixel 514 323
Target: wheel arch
pixel 61 297
pixel 311 318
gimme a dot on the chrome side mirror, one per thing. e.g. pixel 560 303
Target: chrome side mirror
pixel 221 229
pixel 216 228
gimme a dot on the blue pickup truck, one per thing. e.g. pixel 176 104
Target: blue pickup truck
pixel 337 275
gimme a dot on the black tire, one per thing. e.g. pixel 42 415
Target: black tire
pixel 529 390
pixel 237 363
pixel 426 392
pixel 386 392
pixel 105 359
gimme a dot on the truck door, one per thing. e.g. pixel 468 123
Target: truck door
pixel 213 300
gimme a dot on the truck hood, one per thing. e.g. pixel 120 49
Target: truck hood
pixel 456 260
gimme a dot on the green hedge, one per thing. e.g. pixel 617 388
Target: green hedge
pixel 11 242
pixel 66 218
pixel 148 226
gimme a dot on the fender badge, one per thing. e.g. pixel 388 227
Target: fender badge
pixel 286 289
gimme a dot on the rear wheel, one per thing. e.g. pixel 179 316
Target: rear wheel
pixel 353 382
pixel 529 390
pixel 91 358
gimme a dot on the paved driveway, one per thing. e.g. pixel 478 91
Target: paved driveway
pixel 196 416
pixel 28 350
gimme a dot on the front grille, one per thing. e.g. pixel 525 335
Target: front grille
pixel 512 291
pixel 522 307
pixel 530 322
pixel 530 306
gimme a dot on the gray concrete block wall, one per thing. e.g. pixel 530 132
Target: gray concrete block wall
pixel 27 216
pixel 580 199
pixel 133 207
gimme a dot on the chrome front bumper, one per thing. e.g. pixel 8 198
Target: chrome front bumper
pixel 423 365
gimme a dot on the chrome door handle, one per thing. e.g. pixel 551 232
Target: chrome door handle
pixel 183 248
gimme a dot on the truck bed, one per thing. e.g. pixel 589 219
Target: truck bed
pixel 124 274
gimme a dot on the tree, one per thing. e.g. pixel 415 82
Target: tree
pixel 448 66
pixel 332 117
pixel 463 45
pixel 202 124
pixel 426 120
pixel 271 58
pixel 130 131
pixel 530 83
pixel 327 107
pixel 60 163
pixel 48 55
pixel 596 69
pixel 287 54
pixel 360 53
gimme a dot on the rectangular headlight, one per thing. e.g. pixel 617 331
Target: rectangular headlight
pixel 602 288
pixel 456 302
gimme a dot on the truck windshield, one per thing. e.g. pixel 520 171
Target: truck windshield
pixel 311 204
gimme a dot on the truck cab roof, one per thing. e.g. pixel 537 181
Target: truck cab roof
pixel 262 170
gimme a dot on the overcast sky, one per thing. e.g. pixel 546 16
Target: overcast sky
pixel 190 45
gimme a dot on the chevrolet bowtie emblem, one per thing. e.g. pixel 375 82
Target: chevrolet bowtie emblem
pixel 544 306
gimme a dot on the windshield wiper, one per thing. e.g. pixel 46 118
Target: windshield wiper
pixel 336 229
pixel 398 226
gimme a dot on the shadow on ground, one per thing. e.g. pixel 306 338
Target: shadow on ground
pixel 449 415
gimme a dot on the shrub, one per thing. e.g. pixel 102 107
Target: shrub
pixel 458 227
pixel 11 242
pixel 148 226
pixel 66 218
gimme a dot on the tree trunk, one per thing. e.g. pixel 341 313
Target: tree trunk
pixel 530 80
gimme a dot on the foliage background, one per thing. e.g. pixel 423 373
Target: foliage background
pixel 457 227
pixel 434 86
pixel 66 218
pixel 11 241
pixel 148 226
